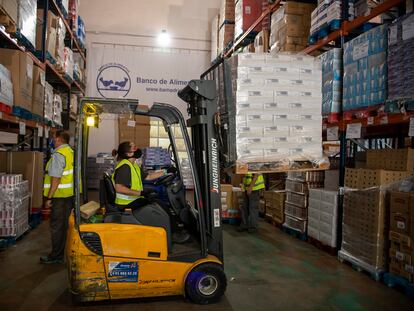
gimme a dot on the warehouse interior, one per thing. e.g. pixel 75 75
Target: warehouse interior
pixel 235 154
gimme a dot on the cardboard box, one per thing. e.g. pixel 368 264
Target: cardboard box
pixel 367 178
pixel 10 6
pixel 400 202
pixel 331 181
pixel 391 159
pixel 30 164
pixel 51 32
pixel 21 69
pixel 38 97
pixel 226 11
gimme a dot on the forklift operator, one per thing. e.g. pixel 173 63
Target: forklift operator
pixel 127 177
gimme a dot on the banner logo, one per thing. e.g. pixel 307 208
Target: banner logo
pixel 113 80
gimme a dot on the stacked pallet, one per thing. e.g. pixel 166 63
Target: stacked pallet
pixel 290 27
pixel 366 207
pixel 323 216
pixel 14 205
pixel 297 197
pixel 402 235
pixel 225 24
pixel 231 200
pixel 275 205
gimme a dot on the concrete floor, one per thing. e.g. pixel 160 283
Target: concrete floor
pixel 265 271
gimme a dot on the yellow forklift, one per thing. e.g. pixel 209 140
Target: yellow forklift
pixel 132 254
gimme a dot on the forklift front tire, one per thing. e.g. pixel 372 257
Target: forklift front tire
pixel 206 283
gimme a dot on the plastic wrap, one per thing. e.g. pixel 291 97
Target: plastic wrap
pixel 6 87
pixel 68 62
pixel 327 12
pixel 60 43
pixel 290 27
pixel 365 69
pixel 278 109
pixel 400 58
pixel 26 20
pixel 332 83
pixel 81 33
pixel 48 110
pixel 186 174
pixel 366 224
pixel 14 205
pixel 57 109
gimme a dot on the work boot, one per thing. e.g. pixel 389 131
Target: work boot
pixel 50 260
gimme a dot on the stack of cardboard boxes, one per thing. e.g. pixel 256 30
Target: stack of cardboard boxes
pixel 290 27
pixel 96 167
pixel 297 197
pixel 30 165
pixel 402 235
pixel 225 24
pixel 231 199
pixel 26 20
pixel 14 205
pixel 275 205
pixel 20 66
pixel 135 129
pixel 365 69
pixel 155 156
pixel 6 89
pixel 366 206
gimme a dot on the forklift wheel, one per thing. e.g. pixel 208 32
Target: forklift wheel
pixel 206 283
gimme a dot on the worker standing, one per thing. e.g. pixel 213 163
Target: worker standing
pixel 252 186
pixel 59 193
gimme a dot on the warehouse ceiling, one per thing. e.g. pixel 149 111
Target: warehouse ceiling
pixel 188 19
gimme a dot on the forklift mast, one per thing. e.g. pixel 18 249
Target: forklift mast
pixel 201 97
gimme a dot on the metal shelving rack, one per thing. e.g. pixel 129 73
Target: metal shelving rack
pixel 11 123
pixel 385 125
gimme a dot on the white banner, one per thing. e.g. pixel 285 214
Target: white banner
pixel 143 73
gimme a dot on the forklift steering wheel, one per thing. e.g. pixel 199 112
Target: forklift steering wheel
pixel 164 180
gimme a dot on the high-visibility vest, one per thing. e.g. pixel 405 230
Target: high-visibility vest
pixel 66 185
pixel 248 178
pixel 136 183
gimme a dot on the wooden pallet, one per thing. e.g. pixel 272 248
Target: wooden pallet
pixel 372 272
pixel 326 248
pixel 398 282
pixel 7 21
pixel 294 233
pixel 279 167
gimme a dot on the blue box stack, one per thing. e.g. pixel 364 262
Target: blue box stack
pixel 331 84
pixel 156 156
pixel 401 58
pixel 365 69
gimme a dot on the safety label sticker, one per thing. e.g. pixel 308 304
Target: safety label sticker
pixel 122 272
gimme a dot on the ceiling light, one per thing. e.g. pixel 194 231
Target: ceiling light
pixel 164 38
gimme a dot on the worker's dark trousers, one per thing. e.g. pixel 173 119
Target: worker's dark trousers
pixel 59 220
pixel 250 210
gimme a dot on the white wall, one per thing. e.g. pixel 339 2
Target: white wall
pixel 135 24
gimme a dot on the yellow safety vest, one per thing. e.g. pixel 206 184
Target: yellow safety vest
pixel 247 180
pixel 66 185
pixel 136 183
